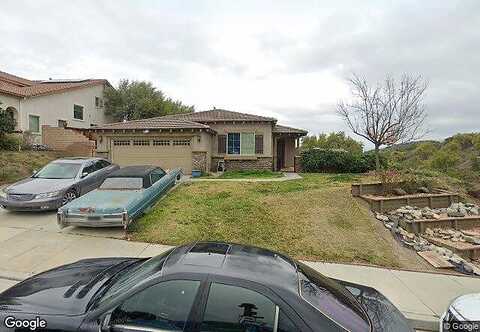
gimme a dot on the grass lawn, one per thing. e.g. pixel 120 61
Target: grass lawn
pixel 250 175
pixel 17 165
pixel 313 218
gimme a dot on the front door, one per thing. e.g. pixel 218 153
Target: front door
pixel 280 154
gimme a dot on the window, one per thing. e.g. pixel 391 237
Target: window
pixel 62 123
pixel 90 169
pixel 164 306
pixel 58 171
pixel 241 143
pixel 234 143
pixel 156 175
pixel 34 123
pixel 104 163
pixel 238 309
pixel 161 142
pixel 181 142
pixel 98 102
pixel 258 144
pixel 222 144
pixel 78 112
pixel 121 142
pixel 141 142
pixel 330 300
pixel 247 143
pixel 122 183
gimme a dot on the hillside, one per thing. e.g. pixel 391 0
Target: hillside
pixel 453 162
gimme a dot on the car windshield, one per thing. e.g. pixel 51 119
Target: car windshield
pixel 58 171
pixel 122 184
pixel 331 300
pixel 124 281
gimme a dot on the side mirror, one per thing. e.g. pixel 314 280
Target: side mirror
pixel 84 174
pixel 34 172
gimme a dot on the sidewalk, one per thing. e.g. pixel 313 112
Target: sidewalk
pixel 286 177
pixel 32 245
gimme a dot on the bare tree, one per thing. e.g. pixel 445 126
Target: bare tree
pixel 388 113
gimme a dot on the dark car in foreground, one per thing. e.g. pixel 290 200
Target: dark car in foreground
pixel 122 197
pixel 204 286
pixel 56 184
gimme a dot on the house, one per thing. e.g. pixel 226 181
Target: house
pixel 56 103
pixel 201 141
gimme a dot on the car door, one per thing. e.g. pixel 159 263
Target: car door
pixel 165 306
pixel 87 180
pixel 240 306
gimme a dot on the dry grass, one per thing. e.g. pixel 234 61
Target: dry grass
pixel 17 165
pixel 314 218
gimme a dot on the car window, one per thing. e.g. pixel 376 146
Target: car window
pixel 231 308
pixel 58 171
pixel 122 183
pixel 98 165
pixel 331 301
pixel 104 163
pixel 164 306
pixel 156 175
pixel 90 168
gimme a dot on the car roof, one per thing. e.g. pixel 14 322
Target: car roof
pixel 234 260
pixel 75 160
pixel 134 171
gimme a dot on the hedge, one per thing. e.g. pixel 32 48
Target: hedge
pixel 337 161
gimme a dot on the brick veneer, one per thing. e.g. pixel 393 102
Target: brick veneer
pixel 199 161
pixel 70 140
pixel 261 163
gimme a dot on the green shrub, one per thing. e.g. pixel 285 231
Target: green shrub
pixel 10 143
pixel 336 161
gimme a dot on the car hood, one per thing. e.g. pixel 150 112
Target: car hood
pixel 103 201
pixel 65 290
pixel 39 186
pixel 468 306
pixel 382 313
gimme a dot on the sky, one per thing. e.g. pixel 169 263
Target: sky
pixel 286 59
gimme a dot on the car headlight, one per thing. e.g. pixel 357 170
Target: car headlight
pixel 47 195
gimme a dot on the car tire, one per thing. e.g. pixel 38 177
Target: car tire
pixel 69 196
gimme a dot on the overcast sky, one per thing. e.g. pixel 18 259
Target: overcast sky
pixel 287 59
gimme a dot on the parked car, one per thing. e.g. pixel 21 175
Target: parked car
pixel 56 184
pixel 204 286
pixel 122 197
pixel 463 314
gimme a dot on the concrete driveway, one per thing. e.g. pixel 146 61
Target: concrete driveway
pixel 31 243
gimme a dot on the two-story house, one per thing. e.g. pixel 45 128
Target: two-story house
pixel 57 103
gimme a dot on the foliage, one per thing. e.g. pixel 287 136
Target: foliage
pixel 10 142
pixel 444 161
pixel 334 140
pixel 7 123
pixel 336 161
pixel 134 100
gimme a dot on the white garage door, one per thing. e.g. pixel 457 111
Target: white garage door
pixel 163 152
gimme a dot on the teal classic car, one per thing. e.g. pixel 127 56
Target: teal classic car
pixel 122 197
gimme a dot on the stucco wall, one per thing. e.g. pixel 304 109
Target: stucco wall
pixel 264 129
pixel 59 106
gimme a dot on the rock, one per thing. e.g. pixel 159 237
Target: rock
pixel 435 216
pixel 399 191
pixel 424 190
pixel 382 217
pixel 455 213
pixel 416 214
pixel 474 211
pixel 471 239
pixel 467 267
pixel 429 232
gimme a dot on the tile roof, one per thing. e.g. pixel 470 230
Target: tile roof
pixel 21 87
pixel 154 123
pixel 219 115
pixel 288 130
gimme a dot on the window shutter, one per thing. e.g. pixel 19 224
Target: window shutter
pixel 222 144
pixel 247 143
pixel 258 144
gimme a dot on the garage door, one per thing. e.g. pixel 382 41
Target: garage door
pixel 166 153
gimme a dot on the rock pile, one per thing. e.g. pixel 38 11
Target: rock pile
pixel 414 213
pixel 453 235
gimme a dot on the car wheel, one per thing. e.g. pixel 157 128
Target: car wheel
pixel 69 196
